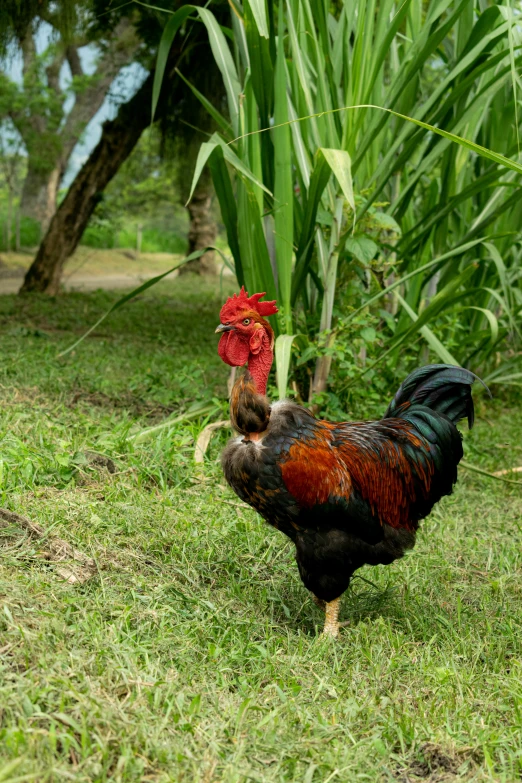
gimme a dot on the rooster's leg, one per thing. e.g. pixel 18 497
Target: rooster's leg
pixel 331 623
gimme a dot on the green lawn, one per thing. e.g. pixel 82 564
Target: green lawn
pixel 193 654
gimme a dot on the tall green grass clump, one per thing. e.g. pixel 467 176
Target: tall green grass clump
pixel 369 159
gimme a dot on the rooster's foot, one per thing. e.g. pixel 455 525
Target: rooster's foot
pixel 331 623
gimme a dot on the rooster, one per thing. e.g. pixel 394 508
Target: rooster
pixel 346 493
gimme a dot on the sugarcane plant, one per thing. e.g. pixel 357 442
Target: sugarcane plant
pixel 377 137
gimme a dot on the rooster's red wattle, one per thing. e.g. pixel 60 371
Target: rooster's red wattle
pixel 349 493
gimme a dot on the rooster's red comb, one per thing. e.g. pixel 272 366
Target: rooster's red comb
pixel 240 302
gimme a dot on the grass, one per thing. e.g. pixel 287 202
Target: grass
pixel 193 655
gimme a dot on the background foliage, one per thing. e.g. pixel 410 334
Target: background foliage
pixel 331 212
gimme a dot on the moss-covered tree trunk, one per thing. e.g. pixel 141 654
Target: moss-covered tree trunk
pixel 39 194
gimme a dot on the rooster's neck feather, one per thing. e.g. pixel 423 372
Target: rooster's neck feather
pixel 249 410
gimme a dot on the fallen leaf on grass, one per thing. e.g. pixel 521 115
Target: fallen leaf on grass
pixel 204 437
pixel 509 470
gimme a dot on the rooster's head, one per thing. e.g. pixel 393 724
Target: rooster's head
pixel 246 337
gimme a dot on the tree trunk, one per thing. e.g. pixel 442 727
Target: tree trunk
pixel 39 195
pixel 9 220
pixel 119 137
pixel 203 229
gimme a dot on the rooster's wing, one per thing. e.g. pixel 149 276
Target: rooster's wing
pixel 361 475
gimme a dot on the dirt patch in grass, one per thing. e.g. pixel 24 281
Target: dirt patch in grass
pixel 434 764
pixel 70 564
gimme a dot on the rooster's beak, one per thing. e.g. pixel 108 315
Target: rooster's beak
pixel 224 328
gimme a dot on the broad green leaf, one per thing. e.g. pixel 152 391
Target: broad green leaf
pixel 326 162
pixel 301 153
pixel 238 164
pixel 255 259
pixel 368 334
pixel 224 62
pixel 237 37
pixel 258 8
pixel 492 320
pixel 283 353
pixel 303 74
pixel 515 80
pixel 362 247
pixel 214 113
pixel 324 81
pixel 341 166
pixel 220 50
pixel 205 152
pixel 165 44
pixel 318 181
pixel 227 204
pixel 423 46
pixel 261 69
pixel 253 151
pixel 283 184
pixel 385 222
pixel 380 56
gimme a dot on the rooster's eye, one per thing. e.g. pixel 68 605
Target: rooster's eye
pixel 246 321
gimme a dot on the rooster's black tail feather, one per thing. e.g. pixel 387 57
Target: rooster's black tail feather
pixel 443 388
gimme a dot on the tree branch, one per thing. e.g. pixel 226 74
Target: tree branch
pixel 28 48
pixel 53 72
pixel 119 52
pixel 73 58
pixel 34 123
